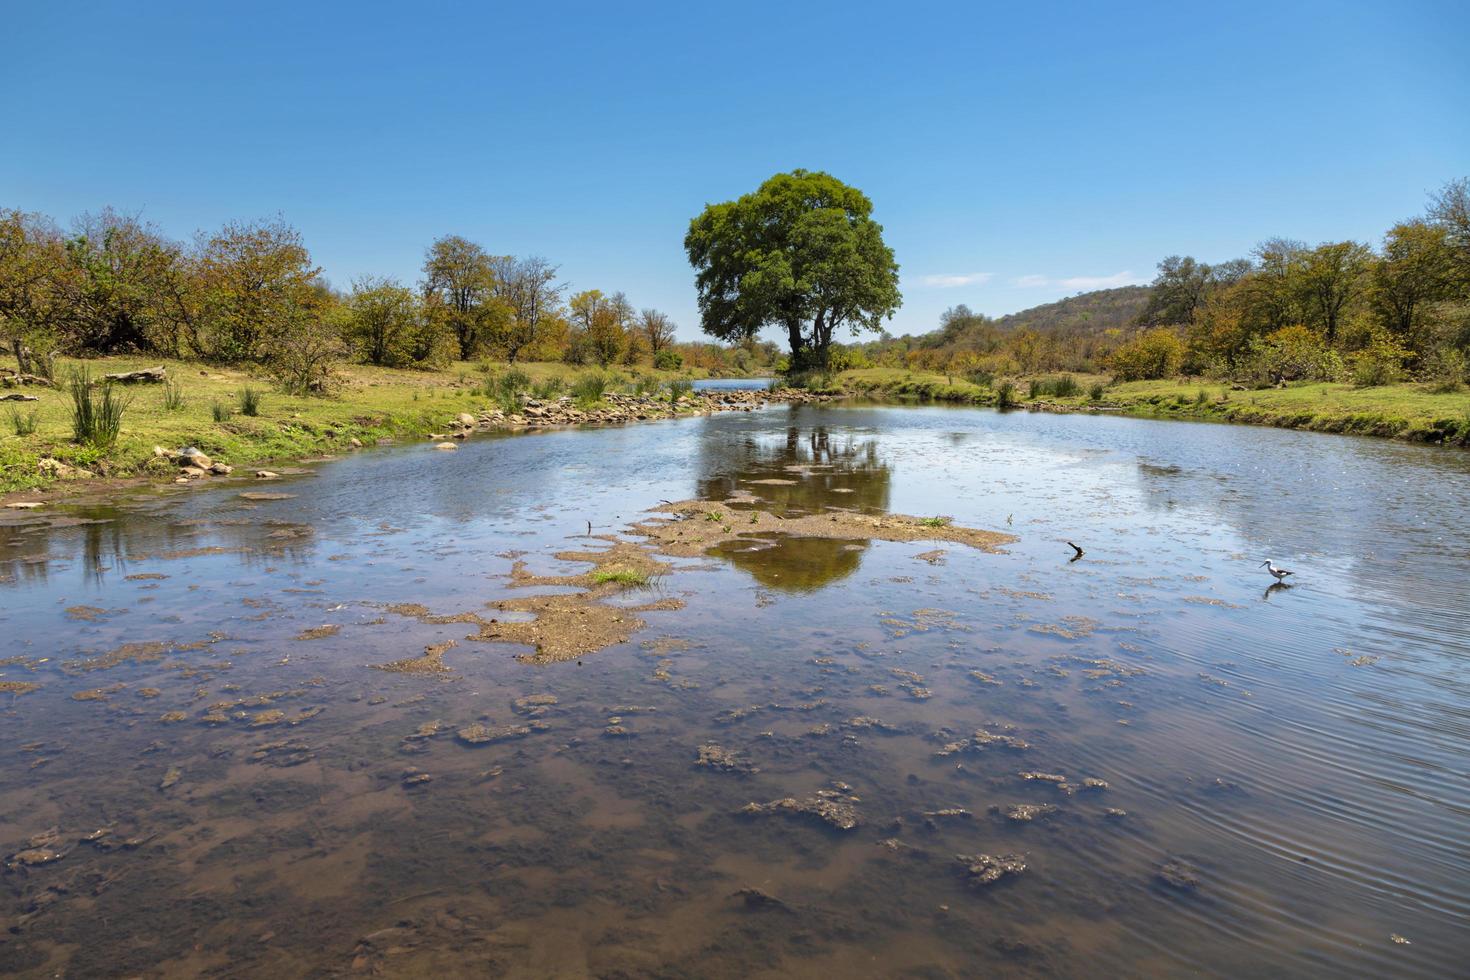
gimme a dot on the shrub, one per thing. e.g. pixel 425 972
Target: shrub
pixel 219 410
pixel 96 412
pixel 668 360
pixel 1201 397
pixel 249 401
pixel 1036 389
pixel 1005 395
pixel 980 377
pixel 1290 354
pixel 589 388
pixel 1380 362
pixel 679 388
pixel 1066 387
pixel 1447 370
pixel 1153 354
pixel 173 396
pixel 513 382
pixel 24 425
pixel 1095 393
pixel 548 389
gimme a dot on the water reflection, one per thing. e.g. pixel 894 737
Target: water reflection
pixel 805 469
pixel 779 561
pixel 213 716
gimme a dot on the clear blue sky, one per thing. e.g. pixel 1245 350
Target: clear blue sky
pixel 1015 152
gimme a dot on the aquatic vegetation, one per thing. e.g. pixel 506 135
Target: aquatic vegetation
pixel 619 576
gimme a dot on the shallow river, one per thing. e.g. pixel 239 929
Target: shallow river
pixel 1286 778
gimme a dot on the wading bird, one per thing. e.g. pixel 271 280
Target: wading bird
pixel 1280 573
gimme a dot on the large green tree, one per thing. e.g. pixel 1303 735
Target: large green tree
pixel 802 253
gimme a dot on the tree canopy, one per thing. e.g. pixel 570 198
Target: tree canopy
pixel 802 253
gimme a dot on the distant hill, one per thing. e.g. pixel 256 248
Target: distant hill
pixel 1094 312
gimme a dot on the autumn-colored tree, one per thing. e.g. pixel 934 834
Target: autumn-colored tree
pixel 459 277
pixel 1332 276
pixel 383 321
pixel 1416 270
pixel 122 271
pixel 658 330
pixel 255 284
pixel 529 289
pixel 32 265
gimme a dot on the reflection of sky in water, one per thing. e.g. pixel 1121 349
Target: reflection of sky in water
pixel 1303 749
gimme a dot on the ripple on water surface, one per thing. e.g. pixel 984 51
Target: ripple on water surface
pixel 802 755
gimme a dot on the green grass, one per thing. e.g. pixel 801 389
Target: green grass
pixel 935 521
pixel 23 423
pixel 372 403
pixel 619 576
pixel 1414 411
pixel 250 400
pixel 96 410
pixel 588 389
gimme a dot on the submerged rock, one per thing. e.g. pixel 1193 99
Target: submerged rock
pixel 1026 812
pixel 831 807
pixel 1178 874
pixel 714 757
pixel 986 869
pixel 478 734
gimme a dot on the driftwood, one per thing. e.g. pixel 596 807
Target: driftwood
pixel 16 396
pixel 11 380
pixel 153 375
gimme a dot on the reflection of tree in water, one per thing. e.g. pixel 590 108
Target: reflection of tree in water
pixel 822 473
pixel 805 472
pixel 107 538
pixel 793 564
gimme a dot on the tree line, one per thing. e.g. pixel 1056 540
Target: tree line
pixel 1337 311
pixel 250 293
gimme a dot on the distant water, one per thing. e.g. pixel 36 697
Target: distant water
pixel 733 384
pixel 1286 771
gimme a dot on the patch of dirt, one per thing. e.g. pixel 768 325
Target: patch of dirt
pixel 695 526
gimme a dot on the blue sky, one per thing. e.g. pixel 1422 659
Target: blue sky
pixel 1015 153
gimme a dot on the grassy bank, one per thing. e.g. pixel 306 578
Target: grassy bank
pixel 372 403
pixel 1405 411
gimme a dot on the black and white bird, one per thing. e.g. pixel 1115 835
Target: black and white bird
pixel 1279 573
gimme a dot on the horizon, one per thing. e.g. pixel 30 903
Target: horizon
pixel 595 168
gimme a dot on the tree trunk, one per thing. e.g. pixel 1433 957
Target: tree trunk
pixel 22 356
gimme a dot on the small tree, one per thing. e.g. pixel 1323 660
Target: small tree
pixel 382 320
pixel 657 329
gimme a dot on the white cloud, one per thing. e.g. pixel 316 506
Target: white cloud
pixel 1075 283
pixel 955 280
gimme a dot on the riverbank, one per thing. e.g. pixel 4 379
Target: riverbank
pixel 1412 412
pixel 370 404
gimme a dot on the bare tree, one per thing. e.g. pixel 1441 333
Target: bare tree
pixel 658 329
pixel 529 288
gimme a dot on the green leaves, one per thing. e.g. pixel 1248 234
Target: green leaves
pixel 802 252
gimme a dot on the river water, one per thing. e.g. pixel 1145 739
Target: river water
pixel 1286 780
